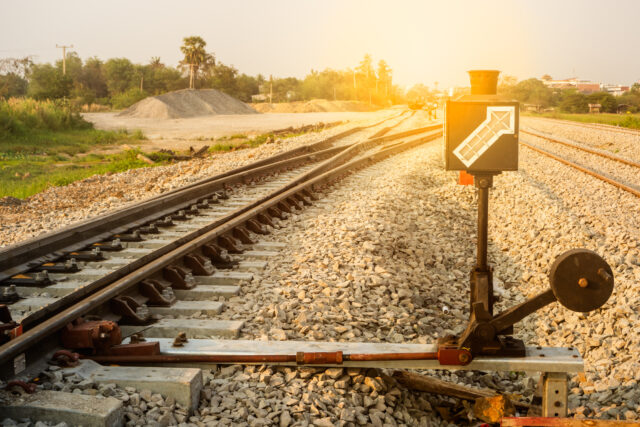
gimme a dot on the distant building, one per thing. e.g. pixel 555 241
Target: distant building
pixel 584 86
pixel 615 90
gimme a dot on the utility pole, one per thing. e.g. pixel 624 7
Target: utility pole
pixel 64 57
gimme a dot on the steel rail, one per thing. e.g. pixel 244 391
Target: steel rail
pixel 593 173
pixel 323 174
pixel 31 253
pixel 583 148
pixel 333 156
pixel 601 126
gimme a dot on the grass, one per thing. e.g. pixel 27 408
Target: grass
pixel 43 144
pixel 23 177
pixel 623 120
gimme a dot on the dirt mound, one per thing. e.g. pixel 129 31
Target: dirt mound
pixel 187 103
pixel 314 106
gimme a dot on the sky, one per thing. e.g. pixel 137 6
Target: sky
pixel 422 41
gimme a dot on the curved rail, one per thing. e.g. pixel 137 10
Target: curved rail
pixel 325 173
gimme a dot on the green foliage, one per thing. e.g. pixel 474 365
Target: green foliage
pixel 127 98
pixel 119 74
pixel 48 82
pixel 12 85
pixel 608 102
pixel 531 91
pixel 22 116
pixel 573 102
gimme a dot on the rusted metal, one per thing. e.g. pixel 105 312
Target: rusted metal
pixel 590 172
pixel 158 295
pixel 493 409
pixel 255 227
pixel 97 335
pixel 179 277
pixel 65 358
pixel 29 388
pixel 132 312
pixel 199 265
pixel 241 233
pixel 229 244
pixel 180 340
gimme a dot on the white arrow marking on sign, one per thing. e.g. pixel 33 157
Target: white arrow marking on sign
pixel 500 121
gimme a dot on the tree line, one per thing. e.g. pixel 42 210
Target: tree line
pixel 118 82
pixel 534 91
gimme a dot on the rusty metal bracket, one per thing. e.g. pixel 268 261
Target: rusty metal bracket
pixel 28 388
pixel 199 265
pixel 158 295
pixel 218 256
pixel 255 227
pixel 65 358
pixel 131 311
pixel 230 244
pixel 277 213
pixel 179 277
pixel 241 233
pixel 265 219
pixel 95 336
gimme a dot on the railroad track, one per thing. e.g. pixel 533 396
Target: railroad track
pixel 599 126
pixel 177 254
pixel 618 171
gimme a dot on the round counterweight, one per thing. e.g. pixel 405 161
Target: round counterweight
pixel 581 280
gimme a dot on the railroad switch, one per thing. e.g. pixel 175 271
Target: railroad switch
pixel 481 140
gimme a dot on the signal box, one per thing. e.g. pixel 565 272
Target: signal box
pixel 481 129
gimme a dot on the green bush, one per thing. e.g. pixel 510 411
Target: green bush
pixel 127 98
pixel 19 115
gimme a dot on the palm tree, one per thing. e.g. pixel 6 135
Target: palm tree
pixel 195 56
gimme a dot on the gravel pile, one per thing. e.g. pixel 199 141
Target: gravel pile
pixel 57 207
pixel 622 144
pixel 187 103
